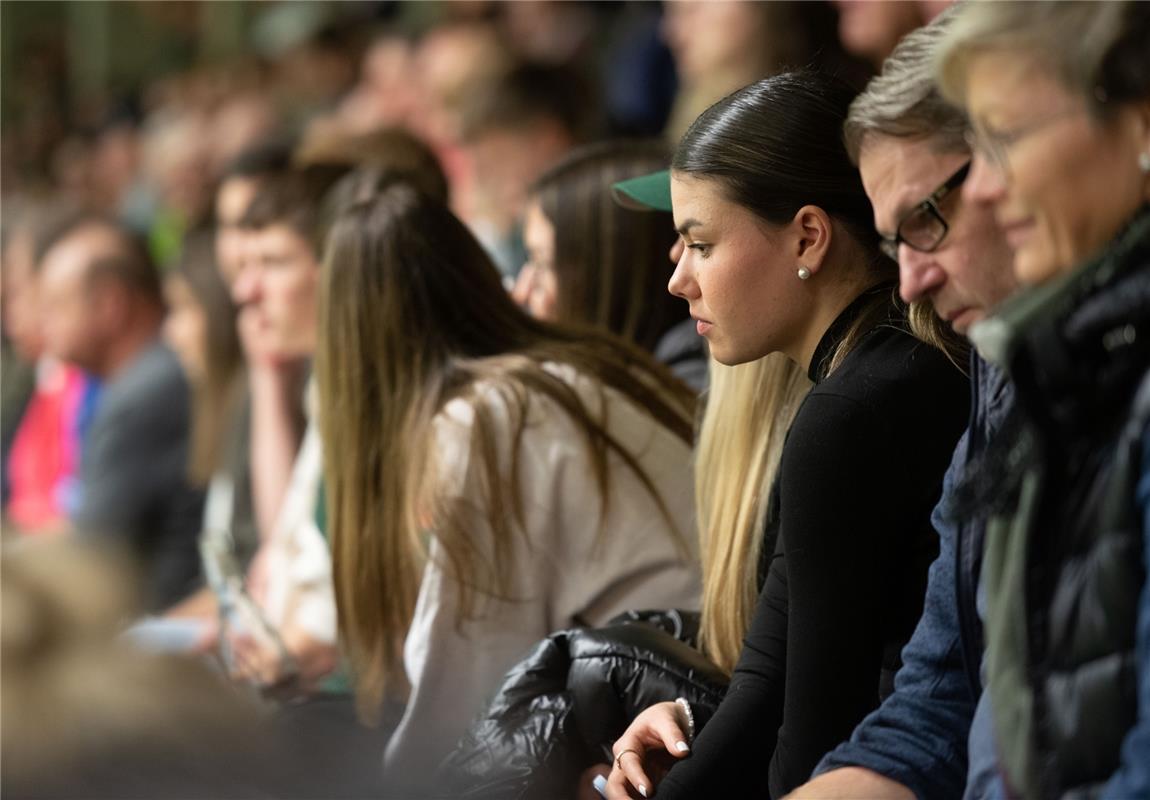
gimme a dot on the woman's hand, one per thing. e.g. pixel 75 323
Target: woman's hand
pixel 646 750
pixel 260 660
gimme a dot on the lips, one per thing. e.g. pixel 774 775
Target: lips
pixel 701 325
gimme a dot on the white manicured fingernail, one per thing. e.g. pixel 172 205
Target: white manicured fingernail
pixel 600 784
pixel 642 790
pixel 682 747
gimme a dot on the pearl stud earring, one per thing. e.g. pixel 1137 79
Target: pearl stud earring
pixel 1144 162
pixel 804 273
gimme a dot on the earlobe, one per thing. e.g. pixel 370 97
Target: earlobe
pixel 814 230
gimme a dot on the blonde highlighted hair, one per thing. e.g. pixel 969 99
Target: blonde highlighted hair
pixel 749 409
pixel 1098 50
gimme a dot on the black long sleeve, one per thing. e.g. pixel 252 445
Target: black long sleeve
pixel 861 471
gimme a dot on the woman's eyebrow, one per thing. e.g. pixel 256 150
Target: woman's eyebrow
pixel 686 226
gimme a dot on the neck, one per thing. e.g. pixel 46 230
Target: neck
pixel 839 287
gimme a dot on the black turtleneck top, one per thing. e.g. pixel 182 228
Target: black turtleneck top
pixel 851 539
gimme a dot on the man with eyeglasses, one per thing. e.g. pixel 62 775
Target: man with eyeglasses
pixel 932 736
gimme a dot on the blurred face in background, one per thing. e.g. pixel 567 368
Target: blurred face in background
pixel 387 89
pixel 277 287
pixel 115 164
pixel 186 326
pixel 232 200
pixel 870 29
pixel 449 63
pixel 539 289
pixel 177 161
pixel 706 36
pixel 77 327
pixel 507 160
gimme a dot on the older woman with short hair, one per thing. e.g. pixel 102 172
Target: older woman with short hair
pixel 1059 100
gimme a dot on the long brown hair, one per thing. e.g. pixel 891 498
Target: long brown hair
pixel 413 315
pixel 217 392
pixel 611 266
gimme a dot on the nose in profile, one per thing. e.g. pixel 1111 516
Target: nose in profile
pixel 245 288
pixel 918 274
pixel 682 283
pixel 986 182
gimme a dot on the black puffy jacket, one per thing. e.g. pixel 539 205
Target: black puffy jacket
pixel 559 710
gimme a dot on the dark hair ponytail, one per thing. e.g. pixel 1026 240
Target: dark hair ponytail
pixel 776 146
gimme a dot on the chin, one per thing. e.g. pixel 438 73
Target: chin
pixel 1035 266
pixel 731 359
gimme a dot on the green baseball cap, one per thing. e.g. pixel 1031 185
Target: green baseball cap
pixel 645 193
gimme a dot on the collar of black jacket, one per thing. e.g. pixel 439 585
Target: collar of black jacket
pixel 825 351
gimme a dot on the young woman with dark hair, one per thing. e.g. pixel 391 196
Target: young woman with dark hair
pixel 490 477
pixel 594 261
pixel 781 257
pixel 200 327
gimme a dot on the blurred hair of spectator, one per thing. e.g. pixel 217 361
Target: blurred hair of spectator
pixel 107 309
pixel 870 29
pixel 87 714
pixel 400 154
pixel 46 402
pixel 512 130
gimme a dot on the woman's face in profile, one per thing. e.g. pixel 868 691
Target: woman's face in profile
pixel 537 289
pixel 1063 181
pixel 185 326
pixel 735 273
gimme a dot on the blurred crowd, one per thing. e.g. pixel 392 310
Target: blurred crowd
pixel 341 377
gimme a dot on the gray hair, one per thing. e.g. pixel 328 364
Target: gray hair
pixel 904 101
pixel 1097 50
